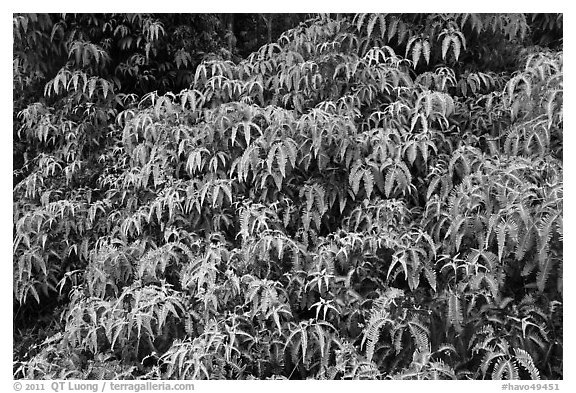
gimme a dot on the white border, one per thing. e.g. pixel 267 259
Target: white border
pixel 225 6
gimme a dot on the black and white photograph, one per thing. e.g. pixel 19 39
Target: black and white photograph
pixel 287 196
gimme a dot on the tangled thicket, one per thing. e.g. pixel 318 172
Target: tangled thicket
pixel 369 196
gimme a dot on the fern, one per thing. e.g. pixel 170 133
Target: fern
pixel 379 316
pixel 455 317
pixel 335 196
pixel 525 360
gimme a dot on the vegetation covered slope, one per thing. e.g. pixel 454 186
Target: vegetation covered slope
pixel 370 196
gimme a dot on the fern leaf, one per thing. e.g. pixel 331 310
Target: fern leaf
pixel 505 369
pixel 304 341
pixel 320 337
pixel 382 18
pixel 411 153
pixel 270 157
pixel 456 45
pixel 396 334
pixel 355 178
pixel 282 159
pixel 445 45
pixel 416 52
pixel 371 23
pixel 368 180
pixel 430 275
pixel 426 50
pixel 526 361
pixel 455 311
pixel 398 258
pixel 378 319
pixel 419 333
pixel 392 28
pixel 488 357
pixel 545 268
pixel 360 20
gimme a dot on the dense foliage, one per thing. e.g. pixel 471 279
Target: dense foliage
pixel 368 196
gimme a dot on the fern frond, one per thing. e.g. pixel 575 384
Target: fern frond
pixel 372 331
pixel 420 333
pixel 455 311
pixel 505 369
pixel 525 360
